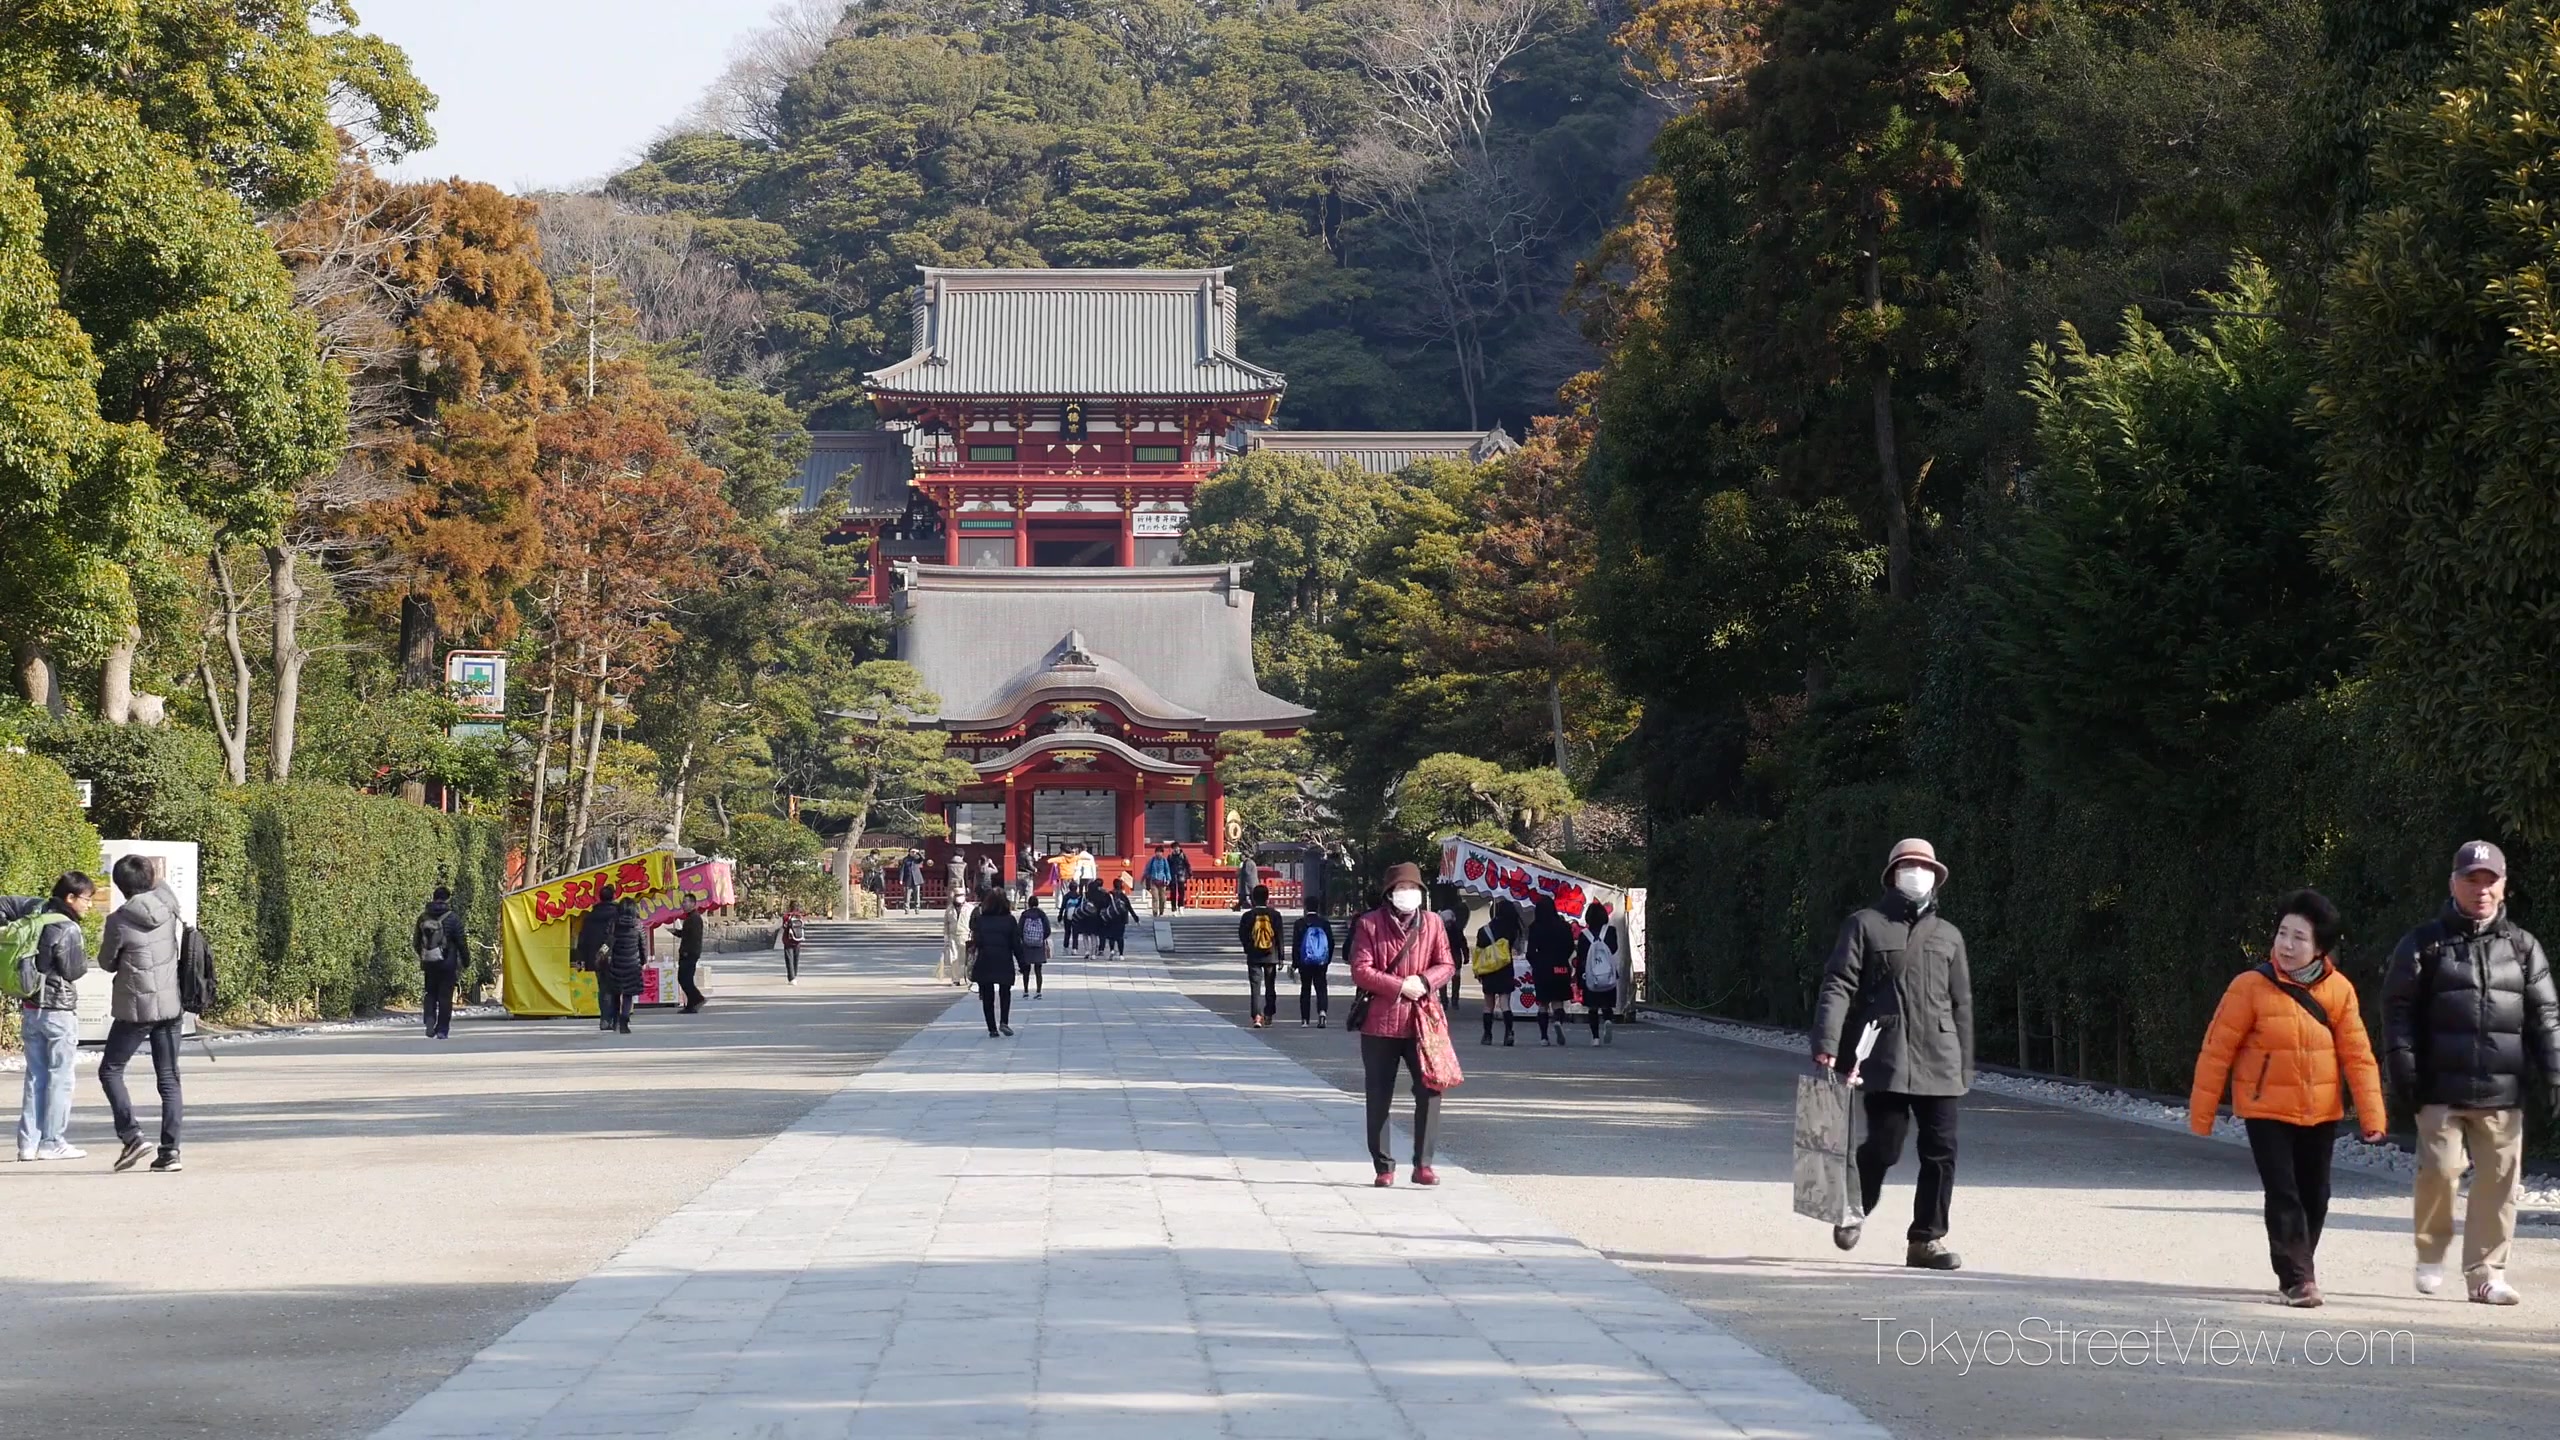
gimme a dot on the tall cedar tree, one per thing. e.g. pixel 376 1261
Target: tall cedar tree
pixel 1852 330
pixel 463 532
pixel 2436 400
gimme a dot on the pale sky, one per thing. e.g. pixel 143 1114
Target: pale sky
pixel 538 94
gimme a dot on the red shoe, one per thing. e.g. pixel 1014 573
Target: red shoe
pixel 1425 1175
pixel 1387 1178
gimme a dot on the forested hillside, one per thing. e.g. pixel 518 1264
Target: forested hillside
pixel 1402 239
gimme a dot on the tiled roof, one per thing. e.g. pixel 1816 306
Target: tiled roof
pixel 1382 452
pixel 871 465
pixel 1075 334
pixel 1172 644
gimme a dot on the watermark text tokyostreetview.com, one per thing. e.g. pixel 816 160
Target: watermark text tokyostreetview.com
pixel 2036 1342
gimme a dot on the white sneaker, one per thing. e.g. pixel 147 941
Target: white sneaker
pixel 2430 1279
pixel 26 1154
pixel 74 1152
pixel 2494 1291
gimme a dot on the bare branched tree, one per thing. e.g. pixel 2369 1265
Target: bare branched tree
pixel 746 100
pixel 1436 63
pixel 343 253
pixel 672 288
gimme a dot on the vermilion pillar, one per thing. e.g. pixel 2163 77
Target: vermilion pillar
pixel 1133 818
pixel 1127 554
pixel 1021 534
pixel 1217 837
pixel 1013 830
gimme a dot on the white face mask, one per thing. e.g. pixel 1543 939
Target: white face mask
pixel 1915 881
pixel 1406 901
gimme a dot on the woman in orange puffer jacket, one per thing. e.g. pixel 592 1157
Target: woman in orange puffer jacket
pixel 2283 1036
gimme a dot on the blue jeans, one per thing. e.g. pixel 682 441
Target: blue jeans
pixel 44 1109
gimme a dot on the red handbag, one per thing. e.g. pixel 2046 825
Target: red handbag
pixel 1431 1040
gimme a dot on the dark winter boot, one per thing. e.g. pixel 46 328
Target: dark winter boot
pixel 1488 1027
pixel 1506 1030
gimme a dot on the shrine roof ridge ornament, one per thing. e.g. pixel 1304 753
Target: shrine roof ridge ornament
pixel 1075 334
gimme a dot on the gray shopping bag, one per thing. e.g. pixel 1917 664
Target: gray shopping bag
pixel 1826 1134
pixel 1826 1189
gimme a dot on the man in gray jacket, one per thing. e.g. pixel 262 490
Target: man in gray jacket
pixel 140 948
pixel 49 1017
pixel 1899 966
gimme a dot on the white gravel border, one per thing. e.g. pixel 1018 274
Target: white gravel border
pixel 2385 1159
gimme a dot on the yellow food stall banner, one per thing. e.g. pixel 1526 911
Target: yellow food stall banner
pixel 538 925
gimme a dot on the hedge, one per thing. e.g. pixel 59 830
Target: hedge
pixel 339 877
pixel 307 892
pixel 42 834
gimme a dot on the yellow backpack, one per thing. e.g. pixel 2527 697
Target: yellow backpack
pixel 1493 958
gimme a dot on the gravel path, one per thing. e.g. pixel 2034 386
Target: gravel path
pixel 2087 1240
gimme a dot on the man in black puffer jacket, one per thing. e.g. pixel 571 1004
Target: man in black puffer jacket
pixel 2468 1013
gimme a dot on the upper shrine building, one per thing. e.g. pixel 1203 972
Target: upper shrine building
pixel 1022 512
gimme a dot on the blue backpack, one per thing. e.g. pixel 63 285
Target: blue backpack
pixel 1317 948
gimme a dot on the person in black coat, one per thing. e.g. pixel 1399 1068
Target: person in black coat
pixel 689 955
pixel 996 944
pixel 2471 1021
pixel 626 955
pixel 595 953
pixel 441 948
pixel 1552 951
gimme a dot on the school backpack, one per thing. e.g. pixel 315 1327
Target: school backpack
pixel 199 993
pixel 1600 966
pixel 429 941
pixel 1035 928
pixel 21 942
pixel 1493 957
pixel 1317 949
pixel 1264 936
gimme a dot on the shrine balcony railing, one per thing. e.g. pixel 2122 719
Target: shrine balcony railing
pixel 933 466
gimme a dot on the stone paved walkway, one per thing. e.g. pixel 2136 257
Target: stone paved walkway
pixel 1130 1220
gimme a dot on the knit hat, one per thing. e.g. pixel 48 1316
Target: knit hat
pixel 1917 852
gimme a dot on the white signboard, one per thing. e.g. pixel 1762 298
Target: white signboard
pixel 178 869
pixel 1158 523
pixel 477 680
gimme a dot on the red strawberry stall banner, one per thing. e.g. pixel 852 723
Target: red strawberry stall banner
pixel 1483 870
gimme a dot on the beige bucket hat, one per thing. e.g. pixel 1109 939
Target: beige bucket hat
pixel 1914 851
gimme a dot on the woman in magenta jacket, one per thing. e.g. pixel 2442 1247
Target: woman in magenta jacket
pixel 1399 959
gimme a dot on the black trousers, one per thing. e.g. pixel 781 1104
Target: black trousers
pixel 790 960
pixel 1311 990
pixel 123 1038
pixel 686 965
pixel 613 1007
pixel 1890 1116
pixel 989 994
pixel 2293 1163
pixel 1379 1057
pixel 1603 1005
pixel 440 981
pixel 1262 987
pixel 1181 891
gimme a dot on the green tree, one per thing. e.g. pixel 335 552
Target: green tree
pixel 1304 528
pixel 2159 591
pixel 2434 394
pixel 1276 789
pixel 1858 119
pixel 884 761
pixel 77 492
pixel 1460 794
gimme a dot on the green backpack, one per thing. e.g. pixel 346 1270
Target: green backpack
pixel 21 941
